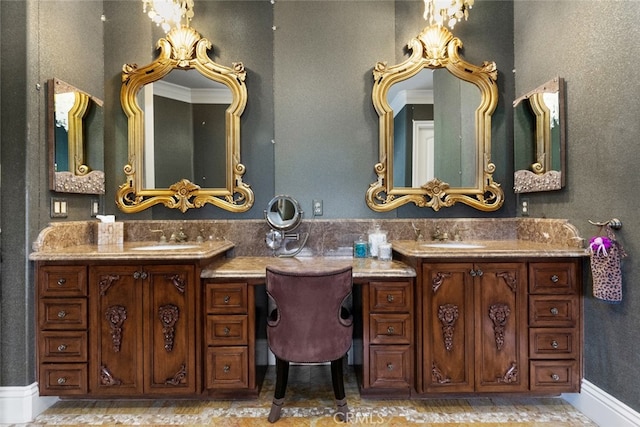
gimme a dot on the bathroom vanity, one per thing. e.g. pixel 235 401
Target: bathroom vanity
pixel 505 316
pixel 144 319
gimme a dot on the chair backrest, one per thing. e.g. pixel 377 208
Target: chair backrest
pixel 308 324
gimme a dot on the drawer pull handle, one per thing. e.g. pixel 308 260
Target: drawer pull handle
pixel 555 377
pixel 62 380
pixel 390 298
pixel 226 331
pixel 62 347
pixel 226 369
pixel 554 311
pixel 390 367
pixel 555 278
pixel 226 299
pixel 391 330
pixel 62 314
pixel 554 344
pixel 62 281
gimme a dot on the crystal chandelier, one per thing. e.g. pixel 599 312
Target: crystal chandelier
pixel 447 12
pixel 168 13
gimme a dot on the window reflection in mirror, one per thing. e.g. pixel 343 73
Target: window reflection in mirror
pixel 539 138
pixel 75 140
pixel 184 130
pixel 434 129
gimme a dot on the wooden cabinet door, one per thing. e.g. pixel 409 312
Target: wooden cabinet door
pixel 448 316
pixel 169 330
pixel 116 362
pixel 501 327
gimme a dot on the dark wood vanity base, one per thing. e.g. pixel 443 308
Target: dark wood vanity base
pixel 426 326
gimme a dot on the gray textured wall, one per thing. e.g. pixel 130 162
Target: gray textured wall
pixel 309 84
pixel 594 46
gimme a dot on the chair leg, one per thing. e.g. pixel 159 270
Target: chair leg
pixel 337 378
pixel 282 376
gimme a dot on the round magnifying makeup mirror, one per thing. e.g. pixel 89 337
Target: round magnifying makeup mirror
pixel 283 214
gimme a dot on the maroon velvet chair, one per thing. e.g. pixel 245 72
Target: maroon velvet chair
pixel 310 323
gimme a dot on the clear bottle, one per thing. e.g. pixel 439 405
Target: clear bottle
pixel 376 238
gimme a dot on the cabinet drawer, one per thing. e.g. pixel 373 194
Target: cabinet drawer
pixel 553 278
pixel 390 328
pixel 63 281
pixel 557 375
pixel 390 366
pixel 553 311
pixel 226 298
pixel 558 343
pixel 227 367
pixel 63 346
pixel 63 379
pixel 390 297
pixel 229 329
pixel 58 313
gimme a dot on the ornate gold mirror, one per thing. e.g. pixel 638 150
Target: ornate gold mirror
pixel 539 137
pixel 75 135
pixel 435 128
pixel 183 114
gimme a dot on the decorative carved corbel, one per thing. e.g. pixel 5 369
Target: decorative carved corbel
pixel 437 376
pixel 168 315
pixel 107 378
pixel 178 377
pixel 499 314
pixel 437 281
pixel 511 375
pixel 511 281
pixel 178 282
pixel 448 315
pixel 106 282
pixel 116 315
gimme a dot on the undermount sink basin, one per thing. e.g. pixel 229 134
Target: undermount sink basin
pixel 453 245
pixel 164 247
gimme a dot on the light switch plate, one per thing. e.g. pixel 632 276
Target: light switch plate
pixel 58 208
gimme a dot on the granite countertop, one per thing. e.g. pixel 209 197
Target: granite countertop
pixel 485 249
pixel 255 267
pixel 128 251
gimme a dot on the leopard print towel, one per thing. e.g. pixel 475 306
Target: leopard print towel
pixel 607 273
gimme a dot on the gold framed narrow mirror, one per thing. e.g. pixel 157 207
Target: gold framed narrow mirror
pixel 184 114
pixel 75 135
pixel 539 138
pixel 435 128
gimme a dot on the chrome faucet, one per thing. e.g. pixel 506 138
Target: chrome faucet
pixel 417 232
pixel 439 235
pixel 179 236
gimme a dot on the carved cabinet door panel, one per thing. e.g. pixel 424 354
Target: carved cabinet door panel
pixel 116 362
pixel 169 330
pixel 501 327
pixel 448 348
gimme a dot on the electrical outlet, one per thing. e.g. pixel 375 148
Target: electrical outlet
pixel 94 207
pixel 524 207
pixel 317 207
pixel 58 208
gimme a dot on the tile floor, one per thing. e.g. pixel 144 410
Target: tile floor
pixel 309 402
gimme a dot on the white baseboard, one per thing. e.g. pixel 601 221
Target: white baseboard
pixel 602 408
pixel 23 404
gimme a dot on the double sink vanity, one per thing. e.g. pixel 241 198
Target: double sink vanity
pixel 498 312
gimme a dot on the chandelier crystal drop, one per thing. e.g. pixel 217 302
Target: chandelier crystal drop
pixel 169 13
pixel 446 12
